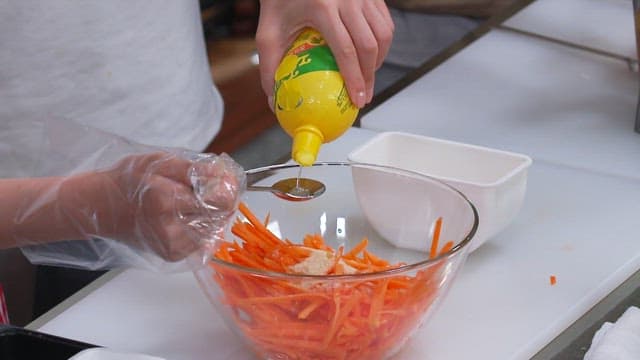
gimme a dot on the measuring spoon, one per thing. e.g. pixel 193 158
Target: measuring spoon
pixel 293 189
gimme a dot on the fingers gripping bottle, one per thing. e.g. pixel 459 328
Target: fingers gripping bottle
pixel 311 101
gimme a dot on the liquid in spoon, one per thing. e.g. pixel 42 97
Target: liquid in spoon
pixel 293 188
pixel 298 190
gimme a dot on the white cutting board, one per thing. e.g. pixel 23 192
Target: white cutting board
pixel 527 95
pixel 575 224
pixel 605 25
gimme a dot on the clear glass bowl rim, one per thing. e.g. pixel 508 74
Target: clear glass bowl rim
pixel 371 275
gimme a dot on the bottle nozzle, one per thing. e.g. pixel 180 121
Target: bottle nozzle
pixel 306 144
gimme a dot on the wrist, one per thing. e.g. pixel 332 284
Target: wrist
pixel 93 205
pixel 32 213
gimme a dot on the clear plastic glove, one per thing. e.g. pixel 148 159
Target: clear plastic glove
pixel 160 209
pixel 359 33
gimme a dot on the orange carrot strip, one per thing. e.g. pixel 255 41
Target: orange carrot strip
pixel 377 302
pixel 436 236
pixel 257 223
pixel 310 308
pixel 446 247
pixel 308 241
pixel 357 249
pixel 375 260
pixel 284 298
pixel 248 214
pixel 300 252
pixel 355 264
pixel 336 260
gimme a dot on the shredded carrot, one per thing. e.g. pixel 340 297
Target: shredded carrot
pixel 318 318
pixel 552 280
pixel 436 237
pixel 446 247
pixel 357 249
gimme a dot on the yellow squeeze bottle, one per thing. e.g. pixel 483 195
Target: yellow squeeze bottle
pixel 311 101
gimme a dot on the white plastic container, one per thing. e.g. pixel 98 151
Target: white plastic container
pixel 493 180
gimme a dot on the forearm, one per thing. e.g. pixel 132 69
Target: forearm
pixel 41 210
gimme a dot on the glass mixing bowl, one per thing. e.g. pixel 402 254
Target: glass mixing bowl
pixel 352 315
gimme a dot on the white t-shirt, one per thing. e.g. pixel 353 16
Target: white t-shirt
pixel 136 68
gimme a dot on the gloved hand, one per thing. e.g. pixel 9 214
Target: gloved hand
pixel 75 196
pixel 145 208
pixel 359 33
pixel 149 201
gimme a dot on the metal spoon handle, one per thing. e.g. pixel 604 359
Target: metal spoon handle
pixel 259 188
